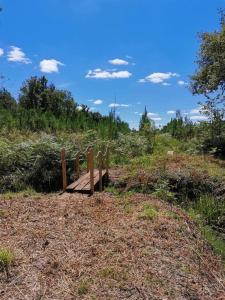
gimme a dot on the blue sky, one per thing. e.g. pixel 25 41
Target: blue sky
pixel 139 51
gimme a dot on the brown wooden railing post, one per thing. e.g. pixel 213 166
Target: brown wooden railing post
pixel 107 160
pixel 88 158
pixel 63 162
pixel 100 160
pixel 91 166
pixel 77 166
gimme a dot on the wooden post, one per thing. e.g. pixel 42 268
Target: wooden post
pixel 88 158
pixel 91 166
pixel 107 160
pixel 99 157
pixel 77 166
pixel 63 162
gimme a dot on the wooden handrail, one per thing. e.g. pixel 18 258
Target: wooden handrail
pixel 63 163
pixel 91 167
pixel 100 162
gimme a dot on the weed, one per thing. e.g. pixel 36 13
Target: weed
pixel 83 288
pixel 210 209
pixel 112 273
pixel 148 212
pixel 162 191
pixel 6 259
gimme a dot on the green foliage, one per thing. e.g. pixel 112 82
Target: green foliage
pixel 209 79
pixel 147 128
pixel 6 259
pixel 6 100
pixel 212 210
pixel 163 191
pixel 149 212
pixel 214 239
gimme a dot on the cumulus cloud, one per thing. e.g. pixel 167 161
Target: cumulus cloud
pixel 79 107
pixel 199 118
pixel 118 62
pixel 171 112
pixel 166 84
pixel 17 55
pixel 195 111
pixel 156 119
pixel 98 102
pixel 150 114
pixel 50 65
pixel 112 105
pixel 159 77
pixel 104 74
pixel 181 82
pixel 1 51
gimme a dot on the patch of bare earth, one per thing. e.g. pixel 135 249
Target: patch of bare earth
pixel 101 247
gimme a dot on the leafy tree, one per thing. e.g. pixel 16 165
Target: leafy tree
pixel 209 79
pixel 6 100
pixel 37 94
pixel 147 128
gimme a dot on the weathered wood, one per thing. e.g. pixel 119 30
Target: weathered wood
pixel 83 183
pixel 99 158
pixel 63 163
pixel 88 158
pixel 73 185
pixel 91 166
pixel 87 187
pixel 77 166
pixel 107 160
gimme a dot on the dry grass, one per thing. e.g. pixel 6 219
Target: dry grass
pixel 75 247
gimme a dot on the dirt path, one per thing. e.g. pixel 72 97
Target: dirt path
pixel 104 247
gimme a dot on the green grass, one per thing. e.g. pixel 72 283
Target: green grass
pixel 6 259
pixel 148 212
pixel 28 192
pixel 212 237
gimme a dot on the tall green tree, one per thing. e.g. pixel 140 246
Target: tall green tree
pixel 6 100
pixel 209 79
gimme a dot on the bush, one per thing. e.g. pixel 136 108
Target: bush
pixel 214 146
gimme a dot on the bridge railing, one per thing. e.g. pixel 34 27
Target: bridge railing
pixel 102 162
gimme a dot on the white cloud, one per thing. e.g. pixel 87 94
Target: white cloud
pixel 156 119
pixel 118 105
pixel 150 114
pixel 79 107
pixel 1 51
pixel 166 84
pixel 195 111
pixel 17 55
pixel 136 112
pixel 181 82
pixel 118 62
pixel 171 112
pixel 198 118
pixel 103 74
pixel 50 65
pixel 159 77
pixel 98 102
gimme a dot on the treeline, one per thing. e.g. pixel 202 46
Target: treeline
pixel 209 135
pixel 41 106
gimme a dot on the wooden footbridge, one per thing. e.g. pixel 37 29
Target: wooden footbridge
pixel 93 179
